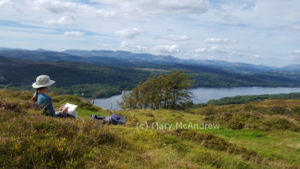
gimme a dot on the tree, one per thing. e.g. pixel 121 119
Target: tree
pixel 164 91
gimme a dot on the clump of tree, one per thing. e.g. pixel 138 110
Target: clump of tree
pixel 166 91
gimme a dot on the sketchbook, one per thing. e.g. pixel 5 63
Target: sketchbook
pixel 71 109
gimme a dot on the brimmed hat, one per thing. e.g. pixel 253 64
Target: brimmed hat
pixel 42 81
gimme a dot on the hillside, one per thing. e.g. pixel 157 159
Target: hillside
pixel 126 58
pixel 80 78
pixel 260 135
pixel 249 98
pixel 71 77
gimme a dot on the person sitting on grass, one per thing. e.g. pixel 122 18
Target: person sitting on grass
pixel 41 86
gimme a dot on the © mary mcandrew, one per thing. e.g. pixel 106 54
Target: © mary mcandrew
pixel 178 125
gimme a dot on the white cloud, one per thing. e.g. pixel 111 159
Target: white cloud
pixel 137 48
pixel 107 45
pixel 296 52
pixel 181 6
pixel 4 2
pixel 105 13
pixel 255 56
pixel 60 21
pixel 226 52
pixel 58 6
pixel 201 50
pixel 124 44
pixel 217 40
pixel 129 33
pixel 177 38
pixel 160 6
pixel 167 49
pixel 295 55
pixel 74 33
pixel 215 48
pixel 259 13
pixel 140 48
pixel 259 26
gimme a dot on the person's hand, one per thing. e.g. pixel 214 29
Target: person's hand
pixel 61 108
pixel 65 110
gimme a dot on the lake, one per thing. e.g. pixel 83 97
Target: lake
pixel 202 95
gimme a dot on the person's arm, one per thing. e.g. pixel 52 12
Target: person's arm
pixel 63 109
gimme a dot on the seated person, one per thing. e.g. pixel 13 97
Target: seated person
pixel 42 84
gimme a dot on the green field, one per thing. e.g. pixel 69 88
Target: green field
pixel 254 135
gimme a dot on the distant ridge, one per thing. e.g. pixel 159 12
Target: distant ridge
pixel 105 76
pixel 125 58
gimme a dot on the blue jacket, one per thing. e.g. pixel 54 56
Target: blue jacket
pixel 45 102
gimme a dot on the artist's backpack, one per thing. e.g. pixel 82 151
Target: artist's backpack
pixel 115 119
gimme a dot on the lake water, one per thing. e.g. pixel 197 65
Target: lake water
pixel 202 95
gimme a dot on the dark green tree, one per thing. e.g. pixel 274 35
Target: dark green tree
pixel 167 91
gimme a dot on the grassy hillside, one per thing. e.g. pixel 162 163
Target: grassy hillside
pixel 249 98
pixel 260 135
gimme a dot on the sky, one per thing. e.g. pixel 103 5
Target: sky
pixel 262 32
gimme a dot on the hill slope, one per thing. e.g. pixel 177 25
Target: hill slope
pixel 70 77
pixel 125 58
pixel 89 79
pixel 31 140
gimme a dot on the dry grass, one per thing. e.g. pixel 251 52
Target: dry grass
pixel 31 140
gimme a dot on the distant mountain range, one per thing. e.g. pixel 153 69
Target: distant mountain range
pixel 125 58
pixel 114 71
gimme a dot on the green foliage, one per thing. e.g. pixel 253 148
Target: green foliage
pixel 46 143
pixel 248 99
pixel 214 142
pixel 164 91
pixel 90 90
pixel 79 79
pixel 280 123
pixel 266 115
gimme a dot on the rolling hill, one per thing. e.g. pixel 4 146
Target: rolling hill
pixel 71 77
pixel 104 73
pixel 125 58
pixel 260 135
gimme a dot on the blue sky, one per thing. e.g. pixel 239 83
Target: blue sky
pixel 253 31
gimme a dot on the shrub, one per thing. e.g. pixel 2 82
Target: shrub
pixel 9 106
pixel 209 110
pixel 238 120
pixel 296 110
pixel 217 143
pixel 278 109
pixel 279 123
pixel 37 141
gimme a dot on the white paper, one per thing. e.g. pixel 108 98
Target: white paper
pixel 71 107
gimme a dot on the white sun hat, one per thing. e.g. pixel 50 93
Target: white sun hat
pixel 42 81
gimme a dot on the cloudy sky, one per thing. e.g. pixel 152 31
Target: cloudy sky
pixel 252 31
